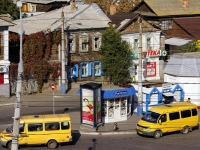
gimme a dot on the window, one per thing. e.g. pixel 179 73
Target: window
pixel 83 43
pixel 126 40
pixel 85 69
pixel 71 43
pixel 97 68
pixel 163 118
pixel 52 126
pixel 72 71
pixel 1 44
pixel 149 44
pixel 166 24
pixel 185 113
pixel 97 41
pixel 33 8
pixel 35 127
pixel 174 116
pixel 135 44
pixel 65 125
pixel 194 112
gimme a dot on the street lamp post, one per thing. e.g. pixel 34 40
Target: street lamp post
pixel 140 98
pixel 63 60
pixel 17 111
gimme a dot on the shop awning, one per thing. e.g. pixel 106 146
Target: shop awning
pixel 177 41
pixel 168 94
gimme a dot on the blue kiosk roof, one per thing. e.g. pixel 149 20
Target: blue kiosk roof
pixel 116 93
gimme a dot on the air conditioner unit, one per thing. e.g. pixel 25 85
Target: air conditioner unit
pixel 3 69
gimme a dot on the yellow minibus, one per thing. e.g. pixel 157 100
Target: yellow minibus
pixel 179 116
pixel 40 129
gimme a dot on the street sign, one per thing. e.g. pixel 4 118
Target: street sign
pixel 52 86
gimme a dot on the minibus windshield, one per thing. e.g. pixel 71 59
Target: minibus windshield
pixel 10 128
pixel 151 117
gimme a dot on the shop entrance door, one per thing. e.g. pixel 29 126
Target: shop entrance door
pixel 1 78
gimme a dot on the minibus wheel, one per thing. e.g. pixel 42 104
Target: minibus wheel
pixel 185 130
pixel 157 134
pixel 9 145
pixel 52 144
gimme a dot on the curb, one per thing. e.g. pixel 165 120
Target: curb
pixel 7 104
pixel 107 133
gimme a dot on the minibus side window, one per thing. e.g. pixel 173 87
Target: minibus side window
pixel 185 113
pixel 194 112
pixel 52 126
pixel 21 128
pixel 65 125
pixel 35 127
pixel 174 116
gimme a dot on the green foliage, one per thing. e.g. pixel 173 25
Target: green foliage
pixel 190 47
pixel 116 58
pixel 8 7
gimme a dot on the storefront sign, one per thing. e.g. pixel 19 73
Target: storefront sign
pixel 151 69
pixel 152 53
pixel 121 93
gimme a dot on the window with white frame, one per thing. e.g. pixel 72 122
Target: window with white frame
pixel 84 70
pixel 135 44
pixel 71 43
pixel 149 44
pixel 97 41
pixel 97 68
pixel 33 8
pixel 126 40
pixel 83 45
pixel 166 24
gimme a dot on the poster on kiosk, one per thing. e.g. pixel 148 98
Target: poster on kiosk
pixel 91 104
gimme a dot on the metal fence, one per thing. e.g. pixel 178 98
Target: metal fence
pixel 28 86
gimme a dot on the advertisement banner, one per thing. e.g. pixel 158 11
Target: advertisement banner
pixel 151 69
pixel 87 106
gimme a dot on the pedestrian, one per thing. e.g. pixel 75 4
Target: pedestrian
pixel 189 100
pixel 115 127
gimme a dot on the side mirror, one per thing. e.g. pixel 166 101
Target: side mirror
pixel 159 121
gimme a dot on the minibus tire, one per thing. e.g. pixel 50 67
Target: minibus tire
pixel 52 144
pixel 157 134
pixel 185 130
pixel 9 145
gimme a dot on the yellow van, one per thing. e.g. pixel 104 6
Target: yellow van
pixel 41 129
pixel 180 116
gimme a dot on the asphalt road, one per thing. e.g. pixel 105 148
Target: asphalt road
pixel 175 141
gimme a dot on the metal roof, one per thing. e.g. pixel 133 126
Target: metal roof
pixel 177 41
pixel 84 17
pixel 184 64
pixel 5 23
pixel 190 25
pixel 173 7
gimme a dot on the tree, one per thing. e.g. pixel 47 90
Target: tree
pixel 192 46
pixel 116 56
pixel 8 7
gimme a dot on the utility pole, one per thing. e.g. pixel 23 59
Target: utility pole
pixel 17 112
pixel 140 97
pixel 63 59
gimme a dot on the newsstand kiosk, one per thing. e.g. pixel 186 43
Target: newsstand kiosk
pixel 90 102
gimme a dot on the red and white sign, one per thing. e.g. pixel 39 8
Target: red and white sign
pixel 153 53
pixel 52 86
pixel 151 69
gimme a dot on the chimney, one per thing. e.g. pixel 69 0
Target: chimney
pixel 73 5
pixel 186 3
pixel 113 9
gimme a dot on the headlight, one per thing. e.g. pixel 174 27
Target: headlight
pixel 148 128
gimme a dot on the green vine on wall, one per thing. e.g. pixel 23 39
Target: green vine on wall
pixel 36 53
